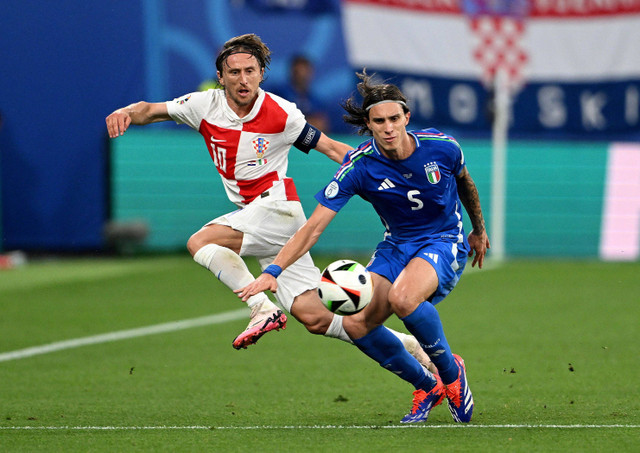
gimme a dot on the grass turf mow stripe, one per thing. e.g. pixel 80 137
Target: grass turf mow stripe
pixel 133 333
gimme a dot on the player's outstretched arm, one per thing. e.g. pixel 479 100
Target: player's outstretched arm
pixel 478 239
pixel 333 149
pixel 140 113
pixel 299 244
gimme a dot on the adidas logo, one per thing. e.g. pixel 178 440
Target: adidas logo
pixel 386 184
pixel 468 400
pixel 433 256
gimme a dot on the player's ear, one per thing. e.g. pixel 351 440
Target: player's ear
pixel 220 78
pixel 407 116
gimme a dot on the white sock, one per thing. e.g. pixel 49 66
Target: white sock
pixel 406 339
pixel 411 344
pixel 336 330
pixel 229 268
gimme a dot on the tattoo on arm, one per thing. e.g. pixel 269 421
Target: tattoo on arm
pixel 468 194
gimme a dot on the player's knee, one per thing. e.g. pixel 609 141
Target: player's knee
pixel 401 303
pixel 198 240
pixel 194 244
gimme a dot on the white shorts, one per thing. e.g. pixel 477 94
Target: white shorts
pixel 267 224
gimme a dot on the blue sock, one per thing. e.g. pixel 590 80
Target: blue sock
pixel 386 349
pixel 424 323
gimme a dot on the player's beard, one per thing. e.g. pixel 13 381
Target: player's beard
pixel 242 101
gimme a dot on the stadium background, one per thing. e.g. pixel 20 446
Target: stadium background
pixel 573 176
pixel 112 352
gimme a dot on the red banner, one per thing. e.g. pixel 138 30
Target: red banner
pixel 583 8
pixel 537 8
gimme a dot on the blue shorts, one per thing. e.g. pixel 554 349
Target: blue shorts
pixel 447 258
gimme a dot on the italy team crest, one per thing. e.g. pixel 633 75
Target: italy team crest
pixel 433 172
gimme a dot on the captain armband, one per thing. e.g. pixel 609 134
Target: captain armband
pixel 308 138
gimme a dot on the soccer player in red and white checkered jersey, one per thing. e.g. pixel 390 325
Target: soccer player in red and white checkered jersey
pixel 249 133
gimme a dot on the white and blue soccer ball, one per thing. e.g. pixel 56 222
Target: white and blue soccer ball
pixel 346 287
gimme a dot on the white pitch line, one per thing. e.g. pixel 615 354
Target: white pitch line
pixel 125 334
pixel 269 427
pixel 133 333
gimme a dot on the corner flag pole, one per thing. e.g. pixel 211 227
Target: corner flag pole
pixel 499 140
pixel 499 26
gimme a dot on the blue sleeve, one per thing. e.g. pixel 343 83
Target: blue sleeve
pixel 458 156
pixel 341 188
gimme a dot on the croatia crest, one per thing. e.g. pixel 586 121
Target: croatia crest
pixel 260 145
pixel 433 172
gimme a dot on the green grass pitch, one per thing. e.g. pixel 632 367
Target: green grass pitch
pixel 551 349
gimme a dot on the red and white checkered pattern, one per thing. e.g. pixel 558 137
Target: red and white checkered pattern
pixel 498 46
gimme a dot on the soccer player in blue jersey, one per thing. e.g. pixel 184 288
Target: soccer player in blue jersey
pixel 416 182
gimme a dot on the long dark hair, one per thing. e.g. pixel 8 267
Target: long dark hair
pixel 371 93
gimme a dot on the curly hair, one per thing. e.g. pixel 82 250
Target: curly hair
pixel 249 43
pixel 372 93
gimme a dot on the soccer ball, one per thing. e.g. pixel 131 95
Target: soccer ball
pixel 346 287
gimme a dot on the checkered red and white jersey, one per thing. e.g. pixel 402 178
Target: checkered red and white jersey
pixel 250 153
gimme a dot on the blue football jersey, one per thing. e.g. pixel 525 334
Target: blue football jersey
pixel 416 198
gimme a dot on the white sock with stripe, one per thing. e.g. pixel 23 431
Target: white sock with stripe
pixel 230 269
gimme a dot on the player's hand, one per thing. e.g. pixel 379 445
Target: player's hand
pixel 118 122
pixel 262 283
pixel 478 243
